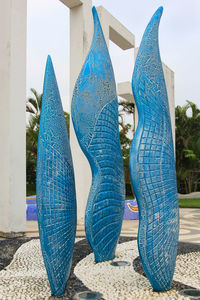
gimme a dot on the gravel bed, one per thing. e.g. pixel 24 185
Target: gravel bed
pixel 129 282
pixel 25 277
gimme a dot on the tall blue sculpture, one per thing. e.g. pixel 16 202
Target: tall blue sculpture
pixel 152 164
pixel 56 199
pixel 95 118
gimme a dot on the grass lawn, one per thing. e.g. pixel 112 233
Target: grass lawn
pixel 189 202
pixel 182 202
pixel 129 197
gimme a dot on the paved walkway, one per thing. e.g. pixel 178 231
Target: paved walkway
pixel 194 195
pixel 189 227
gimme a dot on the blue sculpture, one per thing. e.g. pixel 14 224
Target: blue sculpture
pixel 56 198
pixel 95 118
pixel 152 164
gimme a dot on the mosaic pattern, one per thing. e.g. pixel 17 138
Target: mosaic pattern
pixel 56 199
pixel 95 118
pixel 152 164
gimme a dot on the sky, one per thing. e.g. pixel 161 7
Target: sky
pixel 179 40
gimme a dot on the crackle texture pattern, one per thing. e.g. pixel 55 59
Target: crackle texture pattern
pixel 152 164
pixel 95 118
pixel 56 199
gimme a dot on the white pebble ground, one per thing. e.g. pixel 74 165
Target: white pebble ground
pixel 25 278
pixel 124 283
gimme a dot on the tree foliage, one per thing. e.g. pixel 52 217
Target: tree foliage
pixel 126 108
pixel 33 107
pixel 187 144
pixel 188 147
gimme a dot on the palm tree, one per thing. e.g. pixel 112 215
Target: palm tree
pixel 188 147
pixel 33 107
pixel 126 107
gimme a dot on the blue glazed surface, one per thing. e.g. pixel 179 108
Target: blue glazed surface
pixel 152 164
pixel 56 199
pixel 95 118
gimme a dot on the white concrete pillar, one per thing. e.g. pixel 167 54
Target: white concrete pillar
pixel 13 116
pixel 124 90
pixel 169 80
pixel 81 33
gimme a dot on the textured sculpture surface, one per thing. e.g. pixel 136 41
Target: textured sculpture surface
pixel 95 118
pixel 152 164
pixel 56 199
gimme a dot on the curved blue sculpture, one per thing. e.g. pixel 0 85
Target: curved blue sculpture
pixel 152 164
pixel 95 118
pixel 56 198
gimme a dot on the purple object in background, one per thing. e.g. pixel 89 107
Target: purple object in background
pixel 31 209
pixel 131 210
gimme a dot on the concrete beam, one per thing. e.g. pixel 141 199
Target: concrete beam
pixel 124 90
pixel 114 30
pixel 72 3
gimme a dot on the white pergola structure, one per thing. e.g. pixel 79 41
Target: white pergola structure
pixel 13 99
